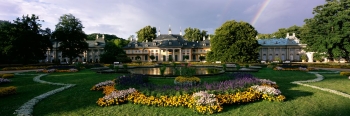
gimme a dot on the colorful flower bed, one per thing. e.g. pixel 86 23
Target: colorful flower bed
pixel 2 80
pixel 7 90
pixel 293 69
pixel 204 98
pixel 23 68
pixel 55 70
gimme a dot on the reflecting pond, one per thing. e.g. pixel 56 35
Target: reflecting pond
pixel 170 71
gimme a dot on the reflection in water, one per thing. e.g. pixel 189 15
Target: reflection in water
pixel 172 71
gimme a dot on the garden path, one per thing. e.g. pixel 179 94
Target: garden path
pixel 320 78
pixel 27 108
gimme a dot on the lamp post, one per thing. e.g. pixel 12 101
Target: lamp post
pixel 56 50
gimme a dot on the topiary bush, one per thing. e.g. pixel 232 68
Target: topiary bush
pixel 7 90
pixel 6 76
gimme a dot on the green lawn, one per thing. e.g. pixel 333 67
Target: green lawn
pixel 79 100
pixel 335 82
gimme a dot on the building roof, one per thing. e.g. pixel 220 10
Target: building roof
pixel 169 41
pixel 289 40
pixel 97 43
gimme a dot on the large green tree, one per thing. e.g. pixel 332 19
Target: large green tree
pixel 146 33
pixel 234 42
pixel 114 51
pixel 23 41
pixel 107 36
pixel 69 32
pixel 195 34
pixel 329 30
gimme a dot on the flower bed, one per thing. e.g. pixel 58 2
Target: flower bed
pixel 23 68
pixel 7 90
pixel 6 76
pixel 55 70
pixel 3 80
pixel 345 73
pixel 206 98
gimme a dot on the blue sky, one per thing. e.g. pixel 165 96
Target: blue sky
pixel 124 17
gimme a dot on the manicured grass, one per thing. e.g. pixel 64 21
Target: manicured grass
pixel 335 82
pixel 79 100
pixel 26 90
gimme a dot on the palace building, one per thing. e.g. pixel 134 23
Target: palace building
pixel 285 49
pixel 92 55
pixel 168 47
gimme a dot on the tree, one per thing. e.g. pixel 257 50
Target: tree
pixel 69 32
pixel 281 33
pixel 106 36
pixel 201 58
pixel 194 34
pixel 114 52
pixel 186 57
pixel 265 36
pixel 152 57
pixel 234 42
pixel 23 41
pixel 328 31
pixel 146 33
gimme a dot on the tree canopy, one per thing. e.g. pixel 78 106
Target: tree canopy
pixel 194 34
pixel 329 30
pixel 234 42
pixel 23 41
pixel 107 36
pixel 69 32
pixel 146 33
pixel 282 32
pixel 114 51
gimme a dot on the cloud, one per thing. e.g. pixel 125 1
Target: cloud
pixel 123 18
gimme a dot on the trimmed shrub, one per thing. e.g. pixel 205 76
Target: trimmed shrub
pixel 345 73
pixel 6 76
pixel 7 90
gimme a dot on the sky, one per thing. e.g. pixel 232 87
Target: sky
pixel 125 17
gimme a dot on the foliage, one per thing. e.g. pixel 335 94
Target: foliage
pixel 303 57
pixel 318 56
pixel 152 57
pixel 234 42
pixel 186 70
pixel 131 80
pixel 101 85
pixel 3 80
pixel 114 51
pixel 194 34
pixel 201 58
pixel 327 31
pixel 23 41
pixel 69 32
pixel 6 76
pixel 7 90
pixel 146 33
pixel 108 37
pixel 162 70
pixel 345 73
pixel 180 80
pixel 186 57
pixel 224 67
pixel 203 102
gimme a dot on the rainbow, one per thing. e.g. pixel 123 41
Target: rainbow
pixel 261 10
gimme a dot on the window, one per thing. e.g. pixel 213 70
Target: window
pixel 193 50
pixel 136 45
pixel 200 50
pixel 185 43
pixel 169 42
pixel 151 50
